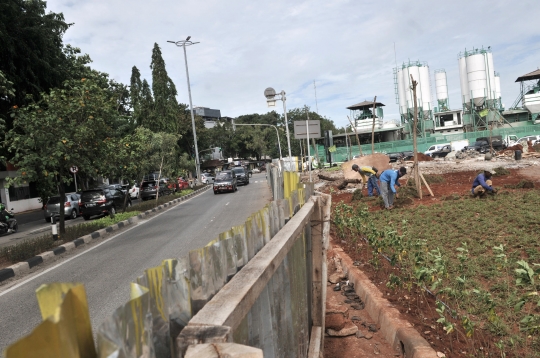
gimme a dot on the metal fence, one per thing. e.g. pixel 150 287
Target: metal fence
pixel 167 301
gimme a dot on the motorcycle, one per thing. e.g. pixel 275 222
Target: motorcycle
pixel 10 226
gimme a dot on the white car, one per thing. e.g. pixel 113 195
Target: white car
pixel 207 178
pixel 255 170
pixel 134 191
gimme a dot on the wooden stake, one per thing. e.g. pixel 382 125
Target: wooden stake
pixel 373 128
pixel 415 149
pixel 425 183
pixel 355 132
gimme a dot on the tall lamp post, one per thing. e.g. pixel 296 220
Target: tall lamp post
pixel 269 125
pixel 184 43
pixel 271 99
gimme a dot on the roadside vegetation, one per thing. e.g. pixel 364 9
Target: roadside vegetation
pixel 31 247
pixel 479 258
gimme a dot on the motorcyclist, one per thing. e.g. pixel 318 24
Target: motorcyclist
pixel 5 216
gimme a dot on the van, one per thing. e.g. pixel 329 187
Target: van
pixel 435 148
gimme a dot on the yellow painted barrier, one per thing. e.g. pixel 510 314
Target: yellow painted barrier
pixel 65 331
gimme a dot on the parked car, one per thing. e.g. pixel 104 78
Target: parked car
pixel 207 178
pixel 182 183
pixel 121 187
pixel 256 170
pixel 71 207
pixel 434 148
pixel 225 181
pixel 535 139
pixel 134 191
pixel 241 175
pixel 395 156
pixel 443 152
pixel 149 189
pixel 480 146
pixel 105 200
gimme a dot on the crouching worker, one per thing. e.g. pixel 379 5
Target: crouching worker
pixel 482 184
pixel 389 180
pixel 372 181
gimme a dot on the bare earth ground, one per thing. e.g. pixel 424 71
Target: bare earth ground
pixel 415 306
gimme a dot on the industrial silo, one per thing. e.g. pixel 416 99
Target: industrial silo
pixel 441 87
pixel 477 77
pixel 400 83
pixel 497 88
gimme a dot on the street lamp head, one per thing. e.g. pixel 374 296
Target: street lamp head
pixel 188 38
pixel 269 93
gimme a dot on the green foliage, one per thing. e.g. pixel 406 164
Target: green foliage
pixel 468 257
pixel 357 195
pixel 500 171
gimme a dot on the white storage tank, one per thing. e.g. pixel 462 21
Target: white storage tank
pixel 477 76
pixel 401 90
pixel 465 95
pixel 441 85
pixel 425 89
pixel 497 86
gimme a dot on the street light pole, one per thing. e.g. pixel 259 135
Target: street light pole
pixel 270 95
pixel 269 125
pixel 185 43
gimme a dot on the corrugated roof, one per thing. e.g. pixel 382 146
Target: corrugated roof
pixel 365 105
pixel 534 75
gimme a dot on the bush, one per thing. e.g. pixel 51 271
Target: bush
pixel 357 194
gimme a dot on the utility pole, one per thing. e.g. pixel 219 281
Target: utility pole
pixel 356 133
pixel 415 150
pixel 373 128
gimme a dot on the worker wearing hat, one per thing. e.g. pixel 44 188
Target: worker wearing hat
pixel 482 184
pixel 389 180
pixel 372 181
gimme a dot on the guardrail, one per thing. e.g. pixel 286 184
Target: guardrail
pixel 272 267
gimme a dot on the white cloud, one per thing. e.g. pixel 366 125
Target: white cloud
pixel 346 46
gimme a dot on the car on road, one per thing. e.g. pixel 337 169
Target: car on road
pixel 71 207
pixel 149 189
pixel 105 200
pixel 207 178
pixel 256 170
pixel 225 181
pixel 241 175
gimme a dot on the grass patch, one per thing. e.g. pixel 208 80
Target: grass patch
pixel 523 184
pixel 500 171
pixel 332 169
pixel 357 195
pixel 479 256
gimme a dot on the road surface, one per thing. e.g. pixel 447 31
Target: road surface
pixel 107 268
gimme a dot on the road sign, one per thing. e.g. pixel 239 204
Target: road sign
pixel 300 131
pixel 74 169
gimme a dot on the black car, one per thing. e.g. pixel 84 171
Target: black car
pixel 242 176
pixel 102 201
pixel 225 181
pixel 441 153
pixel 149 189
pixel 480 146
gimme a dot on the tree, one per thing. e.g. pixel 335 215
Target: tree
pixel 69 126
pixel 32 55
pixel 165 113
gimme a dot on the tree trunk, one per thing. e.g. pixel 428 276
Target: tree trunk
pixel 159 177
pixel 343 184
pixel 62 208
pixel 324 177
pixel 415 149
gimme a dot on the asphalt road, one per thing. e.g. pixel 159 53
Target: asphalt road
pixel 108 267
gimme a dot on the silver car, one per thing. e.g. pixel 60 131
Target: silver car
pixel 71 207
pixel 207 178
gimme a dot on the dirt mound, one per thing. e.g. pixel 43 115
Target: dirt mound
pixel 424 158
pixel 514 147
pixel 379 161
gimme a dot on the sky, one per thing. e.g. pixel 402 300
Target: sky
pixel 349 48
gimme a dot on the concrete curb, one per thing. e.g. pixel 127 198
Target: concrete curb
pixel 25 266
pixel 396 330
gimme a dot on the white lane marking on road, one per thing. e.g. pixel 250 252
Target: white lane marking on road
pixel 90 249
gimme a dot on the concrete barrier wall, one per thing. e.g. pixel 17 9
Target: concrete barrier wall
pixel 165 298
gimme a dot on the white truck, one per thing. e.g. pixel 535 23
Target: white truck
pixel 458 145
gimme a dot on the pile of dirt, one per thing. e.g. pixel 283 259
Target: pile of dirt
pixel 514 147
pixel 424 158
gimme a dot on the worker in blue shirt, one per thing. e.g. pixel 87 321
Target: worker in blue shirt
pixel 482 184
pixel 389 180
